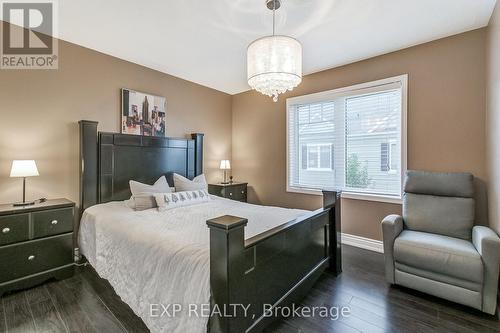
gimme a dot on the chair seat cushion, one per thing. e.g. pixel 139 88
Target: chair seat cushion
pixel 444 255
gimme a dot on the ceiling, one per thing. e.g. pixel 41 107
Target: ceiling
pixel 205 41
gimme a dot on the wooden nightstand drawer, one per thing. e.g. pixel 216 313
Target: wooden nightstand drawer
pixel 238 192
pixel 216 190
pixel 52 222
pixel 14 228
pixel 234 191
pixel 36 256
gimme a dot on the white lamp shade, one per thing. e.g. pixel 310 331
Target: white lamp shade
pixel 274 65
pixel 23 168
pixel 225 165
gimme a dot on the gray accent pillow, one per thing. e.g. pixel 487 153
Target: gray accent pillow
pixel 143 201
pixel 449 216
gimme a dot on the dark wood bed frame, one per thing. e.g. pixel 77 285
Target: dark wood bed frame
pixel 275 268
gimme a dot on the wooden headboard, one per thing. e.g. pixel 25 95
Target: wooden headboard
pixel 109 160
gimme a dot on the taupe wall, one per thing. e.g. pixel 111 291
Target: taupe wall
pixel 493 118
pixel 446 123
pixel 40 110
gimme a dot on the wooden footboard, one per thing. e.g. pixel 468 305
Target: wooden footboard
pixel 273 269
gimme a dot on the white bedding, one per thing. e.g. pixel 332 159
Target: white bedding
pixel 152 257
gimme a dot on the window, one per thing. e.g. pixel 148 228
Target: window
pixel 393 158
pixel 384 157
pixel 389 157
pixel 350 138
pixel 319 157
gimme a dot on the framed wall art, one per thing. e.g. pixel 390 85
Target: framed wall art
pixel 143 113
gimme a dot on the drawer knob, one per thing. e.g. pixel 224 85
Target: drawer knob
pixel 54 222
pixel 231 193
pixel 242 192
pixel 5 230
pixel 31 258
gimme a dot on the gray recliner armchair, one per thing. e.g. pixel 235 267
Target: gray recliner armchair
pixel 435 247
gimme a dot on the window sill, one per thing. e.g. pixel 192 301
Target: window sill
pixel 372 197
pixel 351 195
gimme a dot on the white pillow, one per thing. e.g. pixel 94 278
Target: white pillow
pixel 166 201
pixel 183 184
pixel 160 186
pixel 142 194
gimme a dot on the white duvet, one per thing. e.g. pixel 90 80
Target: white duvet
pixel 152 257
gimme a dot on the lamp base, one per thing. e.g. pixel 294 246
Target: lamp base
pixel 23 204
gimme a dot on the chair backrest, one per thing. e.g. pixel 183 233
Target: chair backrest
pixel 439 202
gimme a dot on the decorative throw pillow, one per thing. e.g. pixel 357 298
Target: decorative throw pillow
pixel 160 186
pixel 183 184
pixel 166 201
pixel 142 194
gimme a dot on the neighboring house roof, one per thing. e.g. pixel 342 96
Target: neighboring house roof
pixel 385 124
pixel 326 127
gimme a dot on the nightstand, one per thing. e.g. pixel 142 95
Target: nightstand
pixel 234 191
pixel 36 243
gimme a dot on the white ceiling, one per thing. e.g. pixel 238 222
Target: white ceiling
pixel 205 41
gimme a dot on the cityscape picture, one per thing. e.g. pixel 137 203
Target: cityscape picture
pixel 143 114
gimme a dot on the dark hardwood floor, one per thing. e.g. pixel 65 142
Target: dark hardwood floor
pixel 86 303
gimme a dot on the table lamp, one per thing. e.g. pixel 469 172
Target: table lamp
pixel 24 168
pixel 224 166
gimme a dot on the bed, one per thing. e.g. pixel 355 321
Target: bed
pixel 212 255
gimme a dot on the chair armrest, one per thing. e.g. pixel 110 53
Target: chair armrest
pixel 392 226
pixel 487 243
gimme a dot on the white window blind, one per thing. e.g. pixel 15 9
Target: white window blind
pixel 310 144
pixel 349 139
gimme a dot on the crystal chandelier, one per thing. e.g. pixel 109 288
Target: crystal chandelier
pixel 274 63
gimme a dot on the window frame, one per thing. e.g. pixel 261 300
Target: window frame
pixel 327 95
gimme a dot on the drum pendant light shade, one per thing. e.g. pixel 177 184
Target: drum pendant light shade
pixel 274 65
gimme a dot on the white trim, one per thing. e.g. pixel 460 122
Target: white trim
pixel 404 129
pixel 402 82
pixel 303 190
pixel 367 88
pixel 371 197
pixel 349 195
pixel 362 242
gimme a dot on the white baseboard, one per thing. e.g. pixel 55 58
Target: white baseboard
pixel 362 242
